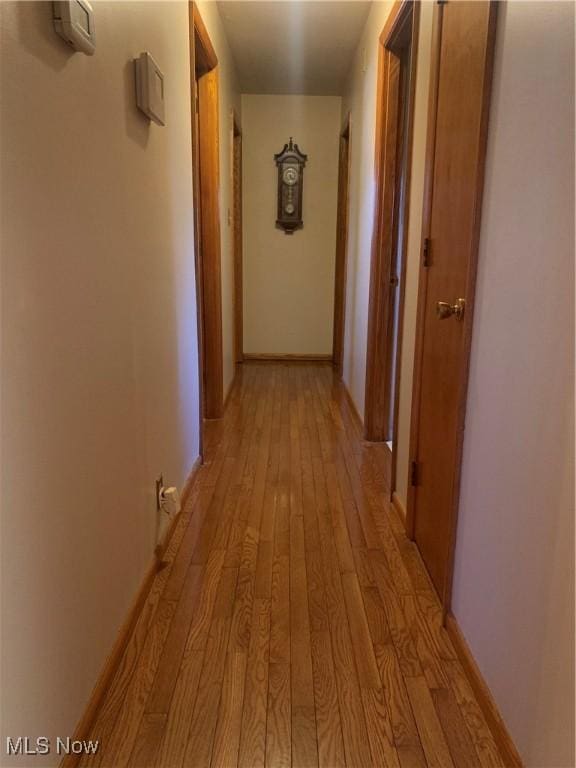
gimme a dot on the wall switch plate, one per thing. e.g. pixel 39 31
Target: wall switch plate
pixel 159 488
pixel 150 88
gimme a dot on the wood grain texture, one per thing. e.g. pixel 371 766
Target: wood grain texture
pixel 429 728
pixel 122 740
pixel 480 692
pixel 269 639
pixel 279 717
pixel 253 740
pixel 454 727
pixel 209 163
pixel 148 739
pixel 205 170
pixel 272 357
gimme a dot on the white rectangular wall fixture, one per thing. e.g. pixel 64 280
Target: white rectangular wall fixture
pixel 150 88
pixel 74 22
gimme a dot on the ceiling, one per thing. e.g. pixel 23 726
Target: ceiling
pixel 290 46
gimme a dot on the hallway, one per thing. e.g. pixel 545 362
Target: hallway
pixel 293 624
pixel 287 370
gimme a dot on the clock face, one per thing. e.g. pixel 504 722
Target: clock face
pixel 290 176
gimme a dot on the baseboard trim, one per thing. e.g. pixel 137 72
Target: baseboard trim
pixel 290 358
pixel 84 727
pixel 482 693
pixel 230 391
pixel 398 505
pixel 352 405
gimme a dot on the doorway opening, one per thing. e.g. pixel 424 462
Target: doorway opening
pixel 394 118
pixel 205 163
pixel 341 248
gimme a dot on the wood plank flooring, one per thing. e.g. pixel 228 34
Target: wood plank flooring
pixel 293 623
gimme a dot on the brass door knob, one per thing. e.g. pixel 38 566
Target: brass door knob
pixel 444 310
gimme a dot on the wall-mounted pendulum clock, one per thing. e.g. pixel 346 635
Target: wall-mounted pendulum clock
pixel 290 163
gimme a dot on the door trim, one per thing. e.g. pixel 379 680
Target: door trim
pixel 386 212
pixel 236 140
pixel 204 57
pixel 340 269
pixel 446 597
pixel 206 166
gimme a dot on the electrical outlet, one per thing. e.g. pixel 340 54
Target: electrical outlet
pixel 159 487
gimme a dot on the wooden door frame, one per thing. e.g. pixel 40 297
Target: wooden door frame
pixel 386 217
pixel 446 597
pixel 236 136
pixel 206 164
pixel 340 269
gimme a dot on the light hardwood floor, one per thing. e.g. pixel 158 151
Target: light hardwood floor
pixel 294 624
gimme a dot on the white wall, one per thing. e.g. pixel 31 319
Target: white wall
pixel 99 352
pixel 360 100
pixel 289 279
pixel 229 99
pixel 514 575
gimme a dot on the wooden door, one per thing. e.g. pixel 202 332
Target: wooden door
pixel 461 91
pixel 341 245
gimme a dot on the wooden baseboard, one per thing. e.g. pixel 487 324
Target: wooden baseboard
pixel 230 391
pixel 84 727
pixel 352 405
pixel 398 505
pixel 289 358
pixel 487 704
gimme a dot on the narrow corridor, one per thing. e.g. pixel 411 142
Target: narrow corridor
pixel 294 623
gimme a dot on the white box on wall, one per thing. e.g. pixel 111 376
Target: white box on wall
pixel 150 88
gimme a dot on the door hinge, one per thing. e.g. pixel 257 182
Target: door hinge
pixel 414 473
pixel 426 252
